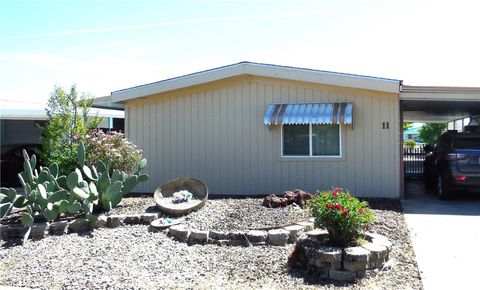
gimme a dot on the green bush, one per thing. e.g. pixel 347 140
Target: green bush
pixel 409 144
pixel 342 215
pixel 68 122
pixel 429 133
pixel 123 154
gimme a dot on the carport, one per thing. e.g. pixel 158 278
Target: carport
pixel 19 121
pixel 427 104
pixel 426 215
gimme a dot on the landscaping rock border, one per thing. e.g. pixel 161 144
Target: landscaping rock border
pixel 275 237
pixel 78 225
pixel 342 264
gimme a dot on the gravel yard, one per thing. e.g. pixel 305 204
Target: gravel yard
pixel 225 214
pixel 132 257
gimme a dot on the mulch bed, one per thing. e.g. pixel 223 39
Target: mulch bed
pixel 132 257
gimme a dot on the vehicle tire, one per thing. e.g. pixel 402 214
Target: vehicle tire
pixel 429 176
pixel 442 190
pixel 428 180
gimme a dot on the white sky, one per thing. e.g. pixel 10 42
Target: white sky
pixel 103 46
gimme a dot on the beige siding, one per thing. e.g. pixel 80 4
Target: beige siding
pixel 215 132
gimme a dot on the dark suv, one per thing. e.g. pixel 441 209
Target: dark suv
pixel 11 162
pixel 454 162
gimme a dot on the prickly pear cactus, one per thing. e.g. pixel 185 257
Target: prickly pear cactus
pixel 51 195
pixel 110 188
pixel 46 193
pixel 10 199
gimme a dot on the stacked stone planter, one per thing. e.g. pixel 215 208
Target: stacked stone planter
pixel 336 263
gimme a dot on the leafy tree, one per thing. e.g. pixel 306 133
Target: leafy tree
pixel 407 125
pixel 68 122
pixel 430 132
pixel 409 144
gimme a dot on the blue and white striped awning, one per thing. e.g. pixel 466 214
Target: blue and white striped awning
pixel 309 113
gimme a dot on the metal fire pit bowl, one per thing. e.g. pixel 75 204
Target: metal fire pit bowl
pixel 164 192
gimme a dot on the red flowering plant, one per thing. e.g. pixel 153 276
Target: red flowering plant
pixel 342 215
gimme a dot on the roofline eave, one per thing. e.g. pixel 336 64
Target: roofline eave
pixel 263 70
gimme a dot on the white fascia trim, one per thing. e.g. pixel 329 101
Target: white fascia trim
pixel 106 113
pixel 264 70
pixel 433 96
pixel 106 103
pixel 178 83
pixel 327 78
pixel 23 114
pixel 40 114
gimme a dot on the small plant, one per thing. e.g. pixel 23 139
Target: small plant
pixel 123 154
pixel 181 196
pixel 410 144
pixel 342 215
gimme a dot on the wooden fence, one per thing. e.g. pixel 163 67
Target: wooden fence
pixel 413 161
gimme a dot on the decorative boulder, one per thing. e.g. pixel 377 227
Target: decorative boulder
pixel 297 196
pixel 274 201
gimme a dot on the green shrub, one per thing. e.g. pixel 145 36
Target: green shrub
pixel 409 144
pixel 123 154
pixel 342 215
pixel 68 122
pixel 429 133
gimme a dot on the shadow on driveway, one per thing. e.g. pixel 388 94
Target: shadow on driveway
pixel 420 201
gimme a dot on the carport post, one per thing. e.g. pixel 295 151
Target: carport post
pixel 402 171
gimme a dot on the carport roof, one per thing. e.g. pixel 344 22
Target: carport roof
pixel 438 104
pixel 18 110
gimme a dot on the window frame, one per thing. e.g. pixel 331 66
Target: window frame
pixel 310 145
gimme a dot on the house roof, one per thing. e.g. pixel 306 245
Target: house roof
pixel 259 69
pixel 413 130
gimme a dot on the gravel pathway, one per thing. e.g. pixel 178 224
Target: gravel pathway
pixel 131 257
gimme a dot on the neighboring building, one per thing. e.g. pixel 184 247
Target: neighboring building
pixel 250 129
pixel 411 134
pixel 459 124
pixel 19 121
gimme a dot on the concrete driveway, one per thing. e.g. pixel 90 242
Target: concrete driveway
pixel 445 236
